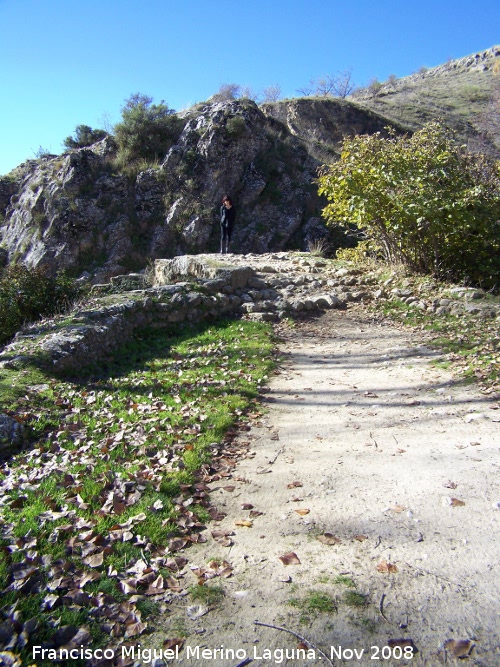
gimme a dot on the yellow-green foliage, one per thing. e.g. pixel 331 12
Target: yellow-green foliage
pixel 359 254
pixel 423 199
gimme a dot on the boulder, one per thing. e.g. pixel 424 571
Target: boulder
pixel 12 434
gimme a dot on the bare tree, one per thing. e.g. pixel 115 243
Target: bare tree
pixel 308 90
pixel 249 93
pixel 227 92
pixel 272 93
pixel 343 83
pixel 340 85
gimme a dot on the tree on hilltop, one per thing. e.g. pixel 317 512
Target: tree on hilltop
pixel 339 85
pixel 84 136
pixel 146 130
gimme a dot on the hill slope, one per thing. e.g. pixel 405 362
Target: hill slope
pixel 457 92
pixel 81 211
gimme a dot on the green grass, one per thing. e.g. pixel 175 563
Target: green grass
pixel 344 581
pixel 355 599
pixel 472 344
pixel 312 604
pixel 207 594
pixel 131 440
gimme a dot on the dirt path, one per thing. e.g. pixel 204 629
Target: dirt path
pixel 399 465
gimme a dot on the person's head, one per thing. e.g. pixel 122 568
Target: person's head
pixel 226 200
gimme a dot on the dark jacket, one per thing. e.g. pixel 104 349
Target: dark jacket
pixel 227 216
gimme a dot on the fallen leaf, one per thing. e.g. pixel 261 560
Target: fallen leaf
pixel 329 538
pixel 156 506
pixel 225 542
pixel 255 513
pixel 217 534
pixel 398 508
pixel 302 512
pixel 229 489
pixel 293 485
pixel 177 544
pixel 247 506
pixel 290 558
pixel 387 567
pixel 360 538
pixel 455 502
pixel 196 611
pixel 134 629
pixel 244 523
pixel 81 638
pixel 451 485
pixel 9 659
pixel 459 648
pixel 96 560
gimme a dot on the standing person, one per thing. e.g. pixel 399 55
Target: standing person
pixel 227 218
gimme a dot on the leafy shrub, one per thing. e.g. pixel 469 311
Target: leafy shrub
pixel 360 254
pixel 424 200
pixel 27 294
pixel 84 136
pixel 235 127
pixel 147 130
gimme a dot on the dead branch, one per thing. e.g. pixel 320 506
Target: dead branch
pixel 280 451
pixel 381 608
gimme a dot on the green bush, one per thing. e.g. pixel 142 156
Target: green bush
pixel 84 136
pixel 27 294
pixel 424 200
pixel 147 130
pixel 236 127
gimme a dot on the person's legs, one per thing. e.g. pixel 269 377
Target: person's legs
pixel 223 239
pixel 229 232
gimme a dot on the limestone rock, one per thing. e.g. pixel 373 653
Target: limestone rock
pixel 77 212
pixel 12 434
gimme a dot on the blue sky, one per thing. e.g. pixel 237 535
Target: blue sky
pixel 68 63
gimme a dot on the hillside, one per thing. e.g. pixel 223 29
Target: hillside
pixel 457 92
pixel 87 213
pixel 80 212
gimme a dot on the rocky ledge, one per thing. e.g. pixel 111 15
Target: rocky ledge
pixel 191 288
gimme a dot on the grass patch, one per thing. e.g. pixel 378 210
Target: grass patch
pixel 118 474
pixel 355 599
pixel 471 342
pixel 209 595
pixel 313 604
pixel 344 581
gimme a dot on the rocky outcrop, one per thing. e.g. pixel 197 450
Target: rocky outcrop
pixel 83 211
pixel 12 434
pixel 79 212
pixel 322 123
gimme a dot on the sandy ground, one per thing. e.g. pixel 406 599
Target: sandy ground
pixel 398 464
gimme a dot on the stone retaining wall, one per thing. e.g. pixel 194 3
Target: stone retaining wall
pixel 193 288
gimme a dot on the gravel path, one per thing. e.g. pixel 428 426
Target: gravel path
pixel 380 473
